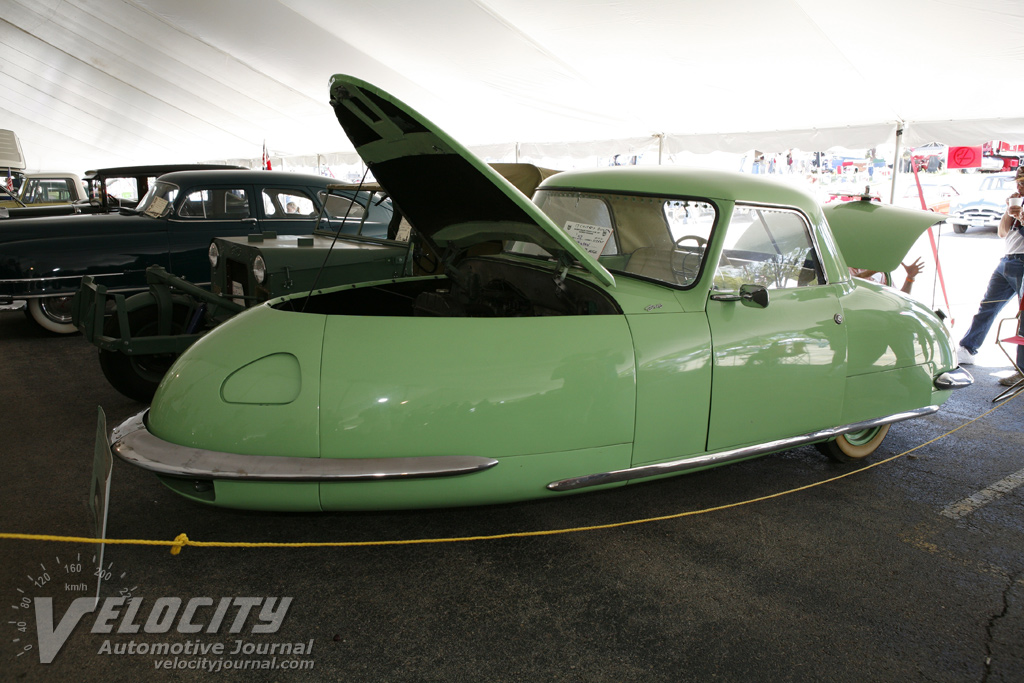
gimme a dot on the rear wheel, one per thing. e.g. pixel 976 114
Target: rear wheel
pixel 52 313
pixel 137 376
pixel 854 446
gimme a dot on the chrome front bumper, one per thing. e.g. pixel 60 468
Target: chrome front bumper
pixel 132 442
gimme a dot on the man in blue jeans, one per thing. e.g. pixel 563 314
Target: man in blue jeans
pixel 1003 286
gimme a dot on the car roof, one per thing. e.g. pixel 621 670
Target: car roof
pixel 674 181
pixel 249 177
pixel 55 175
pixel 150 170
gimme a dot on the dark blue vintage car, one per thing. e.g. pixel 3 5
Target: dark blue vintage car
pixel 42 260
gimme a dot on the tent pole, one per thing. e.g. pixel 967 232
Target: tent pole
pixel 896 163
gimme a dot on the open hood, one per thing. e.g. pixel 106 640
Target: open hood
pixel 445 192
pixel 877 236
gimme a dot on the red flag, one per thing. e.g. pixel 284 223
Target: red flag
pixel 266 158
pixel 964 157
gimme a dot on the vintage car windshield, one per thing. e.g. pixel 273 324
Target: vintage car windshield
pixel 159 200
pixel 1004 183
pixel 656 238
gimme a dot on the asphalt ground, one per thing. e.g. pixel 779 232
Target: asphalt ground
pixel 864 578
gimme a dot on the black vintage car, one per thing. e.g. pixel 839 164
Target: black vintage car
pixel 42 260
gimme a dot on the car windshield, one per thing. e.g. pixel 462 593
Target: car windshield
pixel 656 238
pixel 1001 183
pixel 158 201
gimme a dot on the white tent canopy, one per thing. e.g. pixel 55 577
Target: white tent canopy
pixel 92 83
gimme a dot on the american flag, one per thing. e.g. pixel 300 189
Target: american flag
pixel 266 158
pixel 10 182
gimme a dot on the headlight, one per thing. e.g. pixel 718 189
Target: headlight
pixel 259 270
pixel 214 253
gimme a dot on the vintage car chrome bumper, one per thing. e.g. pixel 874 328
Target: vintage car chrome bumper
pixel 39 287
pixel 132 442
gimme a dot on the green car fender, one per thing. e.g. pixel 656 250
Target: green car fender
pixel 547 397
pixel 897 347
pixel 511 387
pixel 261 377
pixel 548 403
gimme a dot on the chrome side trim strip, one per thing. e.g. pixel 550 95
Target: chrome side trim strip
pixel 723 457
pixel 133 443
pixel 51 278
pixel 954 379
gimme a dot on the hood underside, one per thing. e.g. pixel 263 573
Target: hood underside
pixel 877 236
pixel 445 192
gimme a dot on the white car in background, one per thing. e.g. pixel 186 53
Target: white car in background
pixel 983 207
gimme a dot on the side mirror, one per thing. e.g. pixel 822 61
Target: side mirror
pixel 754 295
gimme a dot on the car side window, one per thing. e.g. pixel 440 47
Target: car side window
pixel 292 203
pixel 343 207
pixel 215 204
pixel 768 247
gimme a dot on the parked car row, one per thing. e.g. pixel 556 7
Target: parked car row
pixel 42 260
pixel 103 190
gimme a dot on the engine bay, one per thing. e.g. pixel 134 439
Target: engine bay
pixel 476 287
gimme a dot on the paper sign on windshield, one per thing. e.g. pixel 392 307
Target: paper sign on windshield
pixel 156 207
pixel 593 238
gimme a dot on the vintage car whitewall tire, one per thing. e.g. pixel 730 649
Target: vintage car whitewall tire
pixel 137 376
pixel 52 313
pixel 959 228
pixel 855 445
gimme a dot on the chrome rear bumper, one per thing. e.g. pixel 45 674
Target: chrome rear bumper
pixel 954 379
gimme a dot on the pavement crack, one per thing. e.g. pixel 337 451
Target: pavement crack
pixel 993 620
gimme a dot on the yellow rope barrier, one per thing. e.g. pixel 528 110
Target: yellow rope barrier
pixel 183 540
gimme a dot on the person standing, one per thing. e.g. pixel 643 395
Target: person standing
pixel 1003 286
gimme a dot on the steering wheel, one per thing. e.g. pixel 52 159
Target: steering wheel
pixel 680 260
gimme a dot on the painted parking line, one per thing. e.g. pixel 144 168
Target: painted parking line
pixel 964 507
